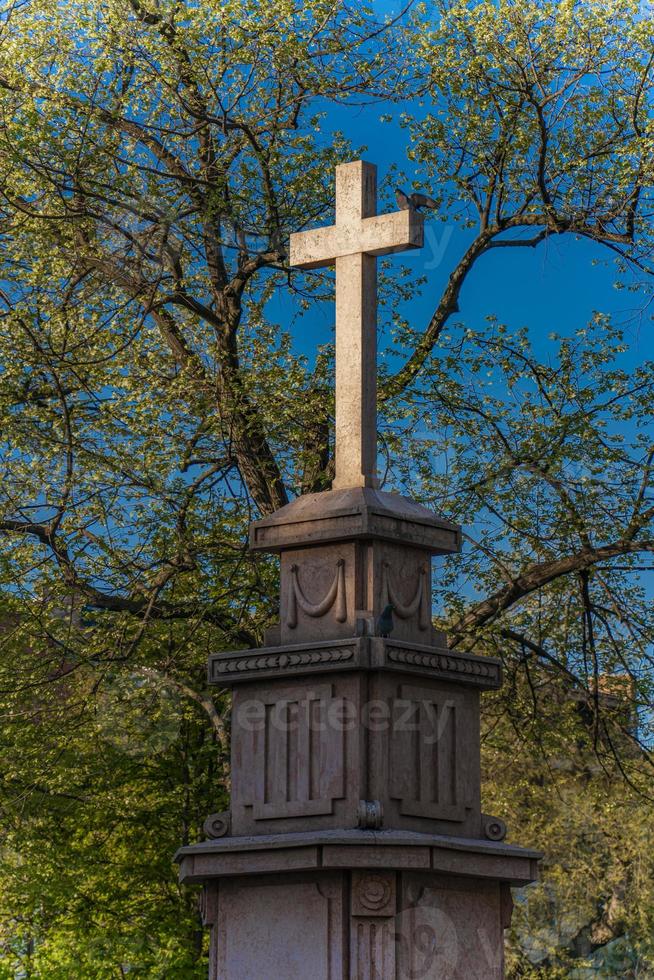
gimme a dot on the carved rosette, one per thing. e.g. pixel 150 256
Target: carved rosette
pixel 373 893
pixel 494 828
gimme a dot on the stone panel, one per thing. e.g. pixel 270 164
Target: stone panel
pixel 424 766
pixel 306 753
pixel 318 595
pixel 426 774
pixel 450 928
pixel 280 929
pixel 296 755
pixel 401 577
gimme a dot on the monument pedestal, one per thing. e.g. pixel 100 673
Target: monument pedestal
pixel 355 846
pixel 341 905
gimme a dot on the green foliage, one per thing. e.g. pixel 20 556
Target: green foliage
pixel 539 108
pixel 105 774
pixel 153 160
pixel 593 912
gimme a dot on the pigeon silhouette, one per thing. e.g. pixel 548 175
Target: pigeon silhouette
pixel 385 621
pixel 413 202
pixel 403 202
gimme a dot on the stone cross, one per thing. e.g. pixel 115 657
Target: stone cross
pixel 352 244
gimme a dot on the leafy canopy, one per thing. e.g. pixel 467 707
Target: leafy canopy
pixel 153 160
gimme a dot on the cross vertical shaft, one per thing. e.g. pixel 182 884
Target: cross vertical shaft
pixel 356 372
pixel 356 336
pixel 352 244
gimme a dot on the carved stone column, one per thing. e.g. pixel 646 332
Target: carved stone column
pixel 372 925
pixel 355 846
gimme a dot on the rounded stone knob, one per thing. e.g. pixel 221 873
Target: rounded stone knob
pixel 494 828
pixel 217 825
pixel 371 814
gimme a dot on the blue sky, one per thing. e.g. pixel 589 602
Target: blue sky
pixel 556 286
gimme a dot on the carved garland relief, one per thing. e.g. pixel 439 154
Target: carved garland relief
pixel 420 602
pixel 335 596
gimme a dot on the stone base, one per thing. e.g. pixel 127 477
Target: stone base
pixel 356 905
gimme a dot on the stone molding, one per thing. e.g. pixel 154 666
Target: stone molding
pixel 351 514
pixel 481 671
pixel 379 851
pixel 286 661
pixel 357 653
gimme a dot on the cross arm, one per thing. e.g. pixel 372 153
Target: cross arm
pixel 379 235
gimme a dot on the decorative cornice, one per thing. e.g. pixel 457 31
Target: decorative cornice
pixel 484 670
pixel 284 660
pixel 356 653
pixel 370 849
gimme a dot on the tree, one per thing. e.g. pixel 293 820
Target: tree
pixel 591 913
pixel 155 158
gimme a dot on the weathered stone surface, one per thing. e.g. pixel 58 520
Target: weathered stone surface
pixel 269 929
pixel 361 925
pixel 352 244
pixel 450 928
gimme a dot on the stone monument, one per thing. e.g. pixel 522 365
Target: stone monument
pixel 355 846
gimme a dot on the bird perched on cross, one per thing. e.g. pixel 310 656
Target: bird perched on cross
pixel 415 201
